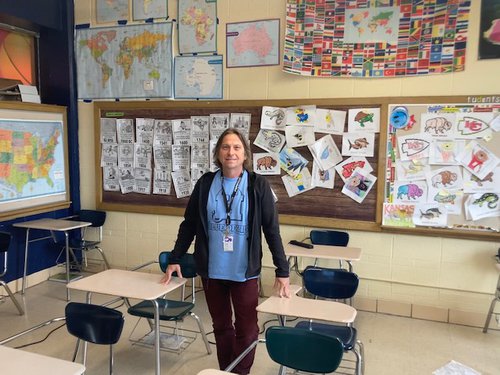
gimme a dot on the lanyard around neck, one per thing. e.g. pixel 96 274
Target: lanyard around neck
pixel 231 199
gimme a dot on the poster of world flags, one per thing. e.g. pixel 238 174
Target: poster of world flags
pixel 375 38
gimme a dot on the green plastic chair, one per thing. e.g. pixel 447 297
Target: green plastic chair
pixel 304 350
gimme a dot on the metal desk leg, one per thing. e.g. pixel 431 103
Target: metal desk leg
pixel 68 295
pixel 25 259
pixel 157 336
pixel 85 343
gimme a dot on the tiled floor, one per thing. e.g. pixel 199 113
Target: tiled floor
pixel 393 345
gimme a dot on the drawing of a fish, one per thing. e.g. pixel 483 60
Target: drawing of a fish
pixel 358 143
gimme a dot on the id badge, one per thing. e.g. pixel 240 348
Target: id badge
pixel 228 242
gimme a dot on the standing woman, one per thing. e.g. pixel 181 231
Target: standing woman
pixel 226 213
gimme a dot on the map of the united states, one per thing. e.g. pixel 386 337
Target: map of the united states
pixel 28 159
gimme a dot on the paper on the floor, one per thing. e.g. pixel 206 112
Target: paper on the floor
pixel 166 340
pixel 455 368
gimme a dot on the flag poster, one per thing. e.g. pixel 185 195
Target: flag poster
pixel 375 38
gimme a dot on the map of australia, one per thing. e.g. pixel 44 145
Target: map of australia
pixel 124 62
pixel 253 43
pixel 31 161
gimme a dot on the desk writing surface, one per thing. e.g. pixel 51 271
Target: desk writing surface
pixel 128 284
pixel 211 371
pixel 306 308
pixel 324 252
pixel 60 225
pixel 15 361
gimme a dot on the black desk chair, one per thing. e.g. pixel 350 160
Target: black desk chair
pixel 334 284
pixel 329 238
pixel 172 310
pixel 95 324
pixel 97 218
pixel 5 239
pixel 298 349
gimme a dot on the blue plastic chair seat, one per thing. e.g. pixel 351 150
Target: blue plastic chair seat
pixel 170 310
pixel 346 335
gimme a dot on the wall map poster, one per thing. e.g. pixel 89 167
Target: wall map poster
pixel 365 38
pixel 124 61
pixel 33 159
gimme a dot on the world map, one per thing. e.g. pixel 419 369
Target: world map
pixel 125 61
pixel 253 43
pixel 198 77
pixel 31 159
pixel 373 24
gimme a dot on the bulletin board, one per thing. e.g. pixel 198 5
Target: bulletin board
pixel 442 167
pixel 318 207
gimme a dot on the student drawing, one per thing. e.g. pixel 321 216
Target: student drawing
pixel 478 159
pixel 358 144
pixel 297 136
pixel 474 125
pixel 411 170
pixel 483 205
pixel 398 215
pixel 329 121
pixel 325 152
pixel 445 178
pixel 291 161
pixel 430 214
pixel 413 146
pixel 299 184
pixel 346 168
pixel 304 115
pixel 490 183
pixel 273 118
pixel 359 185
pixel 410 192
pixel 270 140
pixel 266 163
pixel 437 125
pixel 364 120
pixel 322 178
pixel 444 151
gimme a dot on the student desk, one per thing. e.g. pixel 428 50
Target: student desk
pixel 130 284
pixel 15 361
pixel 347 253
pixel 213 372
pixel 299 307
pixel 52 225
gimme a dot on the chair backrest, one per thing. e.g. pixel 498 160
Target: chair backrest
pixel 94 323
pixel 304 350
pixel 329 237
pixel 5 238
pixel 188 266
pixel 330 283
pixel 97 218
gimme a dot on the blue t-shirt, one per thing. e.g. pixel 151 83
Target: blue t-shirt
pixel 228 265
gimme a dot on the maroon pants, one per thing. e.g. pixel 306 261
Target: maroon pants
pixel 231 339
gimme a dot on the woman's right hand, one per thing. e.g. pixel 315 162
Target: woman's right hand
pixel 171 268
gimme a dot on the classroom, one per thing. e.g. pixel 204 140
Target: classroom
pixel 425 285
